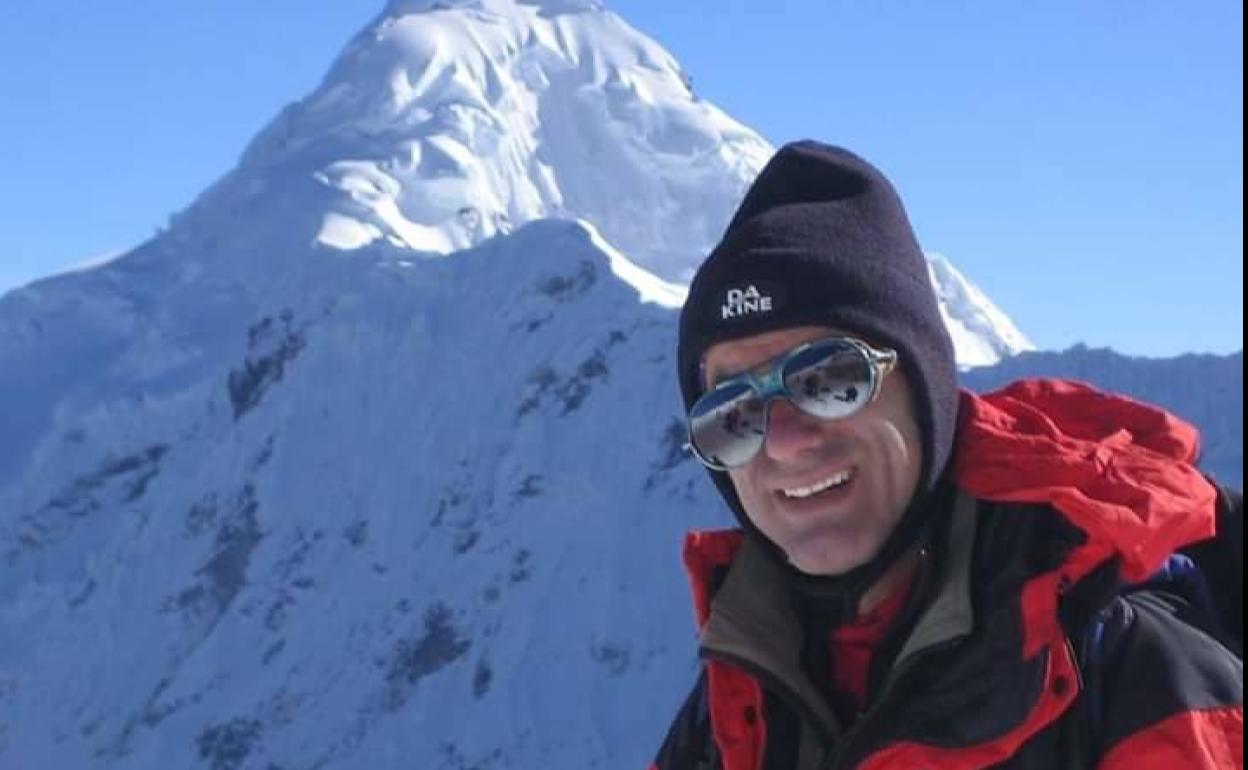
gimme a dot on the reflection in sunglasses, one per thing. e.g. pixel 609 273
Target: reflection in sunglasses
pixel 829 379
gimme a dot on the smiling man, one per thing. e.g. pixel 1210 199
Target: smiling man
pixel 826 492
pixel 915 566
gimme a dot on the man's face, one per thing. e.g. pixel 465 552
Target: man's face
pixel 835 530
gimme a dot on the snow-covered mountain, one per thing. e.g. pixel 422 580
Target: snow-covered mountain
pixel 381 516
pixel 372 458
pixel 444 123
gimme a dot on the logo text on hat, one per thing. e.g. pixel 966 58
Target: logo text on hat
pixel 739 302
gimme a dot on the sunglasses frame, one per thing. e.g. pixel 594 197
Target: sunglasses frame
pixel 769 385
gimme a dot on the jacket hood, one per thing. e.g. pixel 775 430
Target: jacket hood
pixel 1120 470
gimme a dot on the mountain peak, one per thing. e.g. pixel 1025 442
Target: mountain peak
pixel 445 123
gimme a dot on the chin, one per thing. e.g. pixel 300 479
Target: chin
pixel 823 567
pixel 830 560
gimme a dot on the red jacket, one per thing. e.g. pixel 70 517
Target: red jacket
pixel 1070 499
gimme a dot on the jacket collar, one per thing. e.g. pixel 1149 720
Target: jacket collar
pixel 752 621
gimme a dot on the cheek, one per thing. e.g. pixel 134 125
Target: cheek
pixel 741 482
pixel 901 457
pixel 901 443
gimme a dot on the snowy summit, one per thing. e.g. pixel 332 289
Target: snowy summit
pixel 446 123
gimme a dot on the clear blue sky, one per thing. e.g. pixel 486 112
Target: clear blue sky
pixel 1081 162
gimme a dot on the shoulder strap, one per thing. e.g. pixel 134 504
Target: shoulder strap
pixel 1221 561
pixel 1082 726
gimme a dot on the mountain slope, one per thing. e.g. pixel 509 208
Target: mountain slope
pixel 480 559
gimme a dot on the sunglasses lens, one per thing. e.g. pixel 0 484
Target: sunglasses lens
pixel 830 380
pixel 726 425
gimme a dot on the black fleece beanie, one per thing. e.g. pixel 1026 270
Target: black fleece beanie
pixel 821 238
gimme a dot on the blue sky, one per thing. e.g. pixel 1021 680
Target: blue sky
pixel 1080 162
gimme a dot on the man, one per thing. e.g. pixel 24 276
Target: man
pixel 923 578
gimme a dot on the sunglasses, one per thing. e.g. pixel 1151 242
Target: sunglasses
pixel 831 378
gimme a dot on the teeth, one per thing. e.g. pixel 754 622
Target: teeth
pixel 828 483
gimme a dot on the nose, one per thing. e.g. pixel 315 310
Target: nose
pixel 790 432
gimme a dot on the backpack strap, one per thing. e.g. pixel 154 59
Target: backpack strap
pixel 1082 726
pixel 1090 657
pixel 1084 612
pixel 1221 560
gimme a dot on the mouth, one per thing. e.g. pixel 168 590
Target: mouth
pixel 823 487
